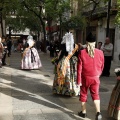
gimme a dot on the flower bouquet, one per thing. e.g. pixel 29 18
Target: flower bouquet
pixel 117 71
pixel 54 60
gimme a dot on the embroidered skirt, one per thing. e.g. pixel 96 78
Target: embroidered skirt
pixel 31 60
pixel 114 103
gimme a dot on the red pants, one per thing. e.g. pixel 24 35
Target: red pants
pixel 91 83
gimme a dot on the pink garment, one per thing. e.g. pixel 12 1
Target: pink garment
pixel 92 84
pixel 88 66
pixel 31 60
pixel 88 72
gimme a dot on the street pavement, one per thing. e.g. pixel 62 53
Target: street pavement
pixel 27 94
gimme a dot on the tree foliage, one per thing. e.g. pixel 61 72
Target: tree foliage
pixel 22 16
pixel 75 22
pixel 6 7
pixel 56 8
pixel 118 13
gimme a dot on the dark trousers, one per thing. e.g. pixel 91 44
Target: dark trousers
pixel 51 53
pixel 9 52
pixel 107 65
pixel 4 59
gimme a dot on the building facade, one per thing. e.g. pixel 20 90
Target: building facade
pixel 97 18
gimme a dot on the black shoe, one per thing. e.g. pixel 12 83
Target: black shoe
pixel 83 115
pixel 98 116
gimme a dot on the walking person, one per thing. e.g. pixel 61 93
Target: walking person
pixel 114 103
pixel 9 45
pixel 65 75
pixel 30 58
pixel 52 49
pixel 99 45
pixel 4 51
pixel 89 69
pixel 38 44
pixel 1 52
pixel 107 48
pixel 20 44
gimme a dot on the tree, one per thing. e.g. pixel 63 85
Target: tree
pixel 3 11
pixel 55 10
pixel 36 8
pixel 75 22
pixel 32 14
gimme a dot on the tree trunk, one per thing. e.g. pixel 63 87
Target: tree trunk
pixel 60 30
pixel 1 23
pixel 49 26
pixel 44 32
pixel 38 36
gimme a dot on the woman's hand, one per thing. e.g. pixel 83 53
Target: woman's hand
pixel 80 45
pixel 118 78
pixel 79 85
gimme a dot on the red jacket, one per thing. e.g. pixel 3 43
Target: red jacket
pixel 88 66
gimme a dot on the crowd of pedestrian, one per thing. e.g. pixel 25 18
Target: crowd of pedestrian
pixel 30 57
pixel 78 68
pixel 8 45
pixel 53 47
pixel 5 49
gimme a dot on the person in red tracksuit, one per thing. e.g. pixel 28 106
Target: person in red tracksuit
pixel 89 69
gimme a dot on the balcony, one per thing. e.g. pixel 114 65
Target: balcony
pixel 100 11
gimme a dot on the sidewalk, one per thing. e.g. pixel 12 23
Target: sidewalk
pixel 27 95
pixel 107 84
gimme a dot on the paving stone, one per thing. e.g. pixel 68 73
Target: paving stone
pixel 29 117
pixel 34 111
pixel 6 117
pixel 19 112
pixel 27 94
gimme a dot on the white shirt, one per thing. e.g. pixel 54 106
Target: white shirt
pixel 107 49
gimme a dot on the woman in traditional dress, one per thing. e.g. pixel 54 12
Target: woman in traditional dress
pixel 30 57
pixel 65 75
pixel 114 103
